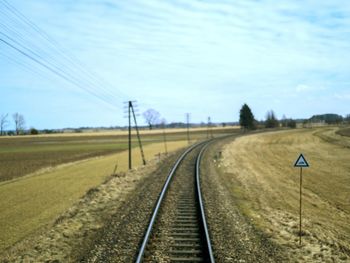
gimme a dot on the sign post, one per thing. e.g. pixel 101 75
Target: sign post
pixel 300 162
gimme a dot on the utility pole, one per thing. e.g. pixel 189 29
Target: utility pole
pixel 164 138
pixel 138 135
pixel 131 111
pixel 188 127
pixel 209 130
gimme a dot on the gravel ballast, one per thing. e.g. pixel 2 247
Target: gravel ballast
pixel 233 236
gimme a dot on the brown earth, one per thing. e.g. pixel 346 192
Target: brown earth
pixel 22 155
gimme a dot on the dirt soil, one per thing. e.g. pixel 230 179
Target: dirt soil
pixel 115 213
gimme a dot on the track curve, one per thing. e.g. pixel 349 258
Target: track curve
pixel 177 230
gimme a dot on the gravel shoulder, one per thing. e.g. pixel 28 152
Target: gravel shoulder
pixel 119 240
pixel 234 237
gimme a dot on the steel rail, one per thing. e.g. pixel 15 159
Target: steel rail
pixel 201 205
pixel 159 202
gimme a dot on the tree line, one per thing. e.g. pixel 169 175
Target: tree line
pixel 154 120
pixel 248 122
pixel 18 122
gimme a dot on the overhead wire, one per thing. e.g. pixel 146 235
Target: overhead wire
pixel 58 68
pixel 24 66
pixel 55 71
pixel 57 46
pixel 82 78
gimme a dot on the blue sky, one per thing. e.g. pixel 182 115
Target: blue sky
pixel 204 57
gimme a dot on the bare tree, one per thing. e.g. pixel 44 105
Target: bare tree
pixel 152 117
pixel 3 123
pixel 19 122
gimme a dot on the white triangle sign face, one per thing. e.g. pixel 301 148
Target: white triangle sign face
pixel 301 162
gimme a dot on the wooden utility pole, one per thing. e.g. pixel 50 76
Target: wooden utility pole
pixel 129 115
pixel 138 136
pixel 131 111
pixel 188 127
pixel 164 138
pixel 209 130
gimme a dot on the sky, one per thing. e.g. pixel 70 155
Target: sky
pixel 73 63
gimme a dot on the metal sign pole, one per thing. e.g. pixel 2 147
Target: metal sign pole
pixel 301 162
pixel 301 183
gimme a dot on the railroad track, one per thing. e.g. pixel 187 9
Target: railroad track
pixel 177 230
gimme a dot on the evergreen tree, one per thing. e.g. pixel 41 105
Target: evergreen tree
pixel 271 120
pixel 246 118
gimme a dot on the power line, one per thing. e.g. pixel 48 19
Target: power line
pixel 23 65
pixel 55 71
pixel 55 44
pixel 48 64
pixel 82 78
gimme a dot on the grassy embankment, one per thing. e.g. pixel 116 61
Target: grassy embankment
pixel 259 171
pixel 30 202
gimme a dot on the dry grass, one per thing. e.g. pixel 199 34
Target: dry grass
pixel 75 229
pixel 28 203
pixel 259 169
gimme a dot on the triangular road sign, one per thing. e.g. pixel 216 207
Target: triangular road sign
pixel 301 161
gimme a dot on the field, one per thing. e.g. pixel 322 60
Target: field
pixel 344 132
pixel 31 201
pixel 20 156
pixel 259 171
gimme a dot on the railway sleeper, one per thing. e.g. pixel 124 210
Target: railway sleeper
pixel 185 260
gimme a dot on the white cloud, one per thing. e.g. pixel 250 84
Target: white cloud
pixel 244 50
pixel 307 88
pixel 342 96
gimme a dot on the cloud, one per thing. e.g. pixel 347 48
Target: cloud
pixel 342 96
pixel 165 51
pixel 307 88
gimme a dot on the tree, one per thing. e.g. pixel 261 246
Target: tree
pixel 347 118
pixel 33 131
pixel 271 120
pixel 291 123
pixel 3 123
pixel 246 118
pixel 19 122
pixel 284 121
pixel 152 117
pixel 329 118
